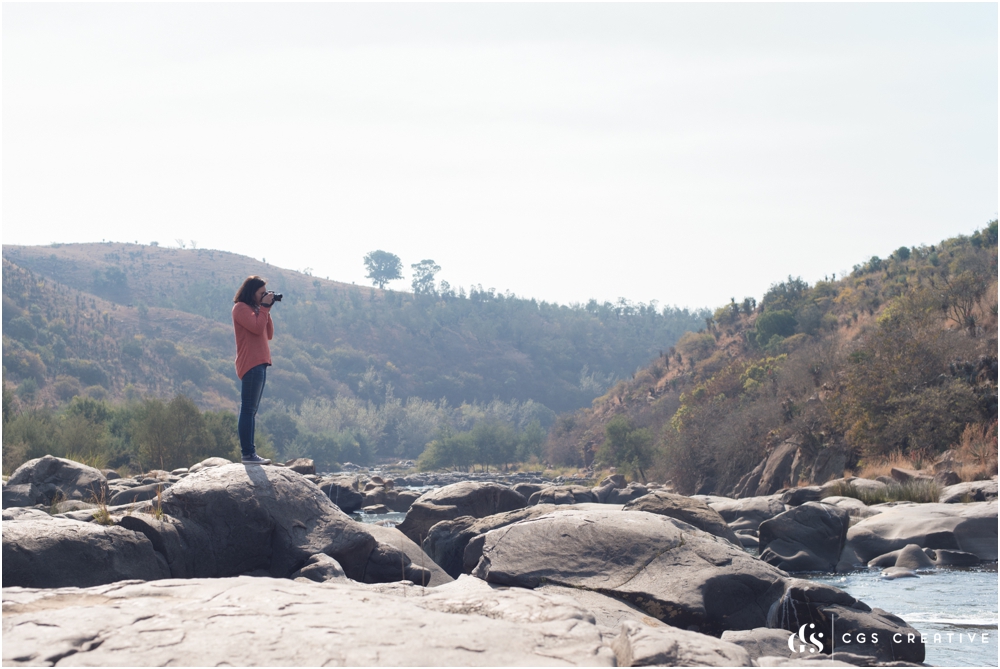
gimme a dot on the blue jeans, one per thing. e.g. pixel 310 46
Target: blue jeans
pixel 253 388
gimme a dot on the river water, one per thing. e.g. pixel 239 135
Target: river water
pixel 952 608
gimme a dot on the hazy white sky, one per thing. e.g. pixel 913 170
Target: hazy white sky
pixel 683 153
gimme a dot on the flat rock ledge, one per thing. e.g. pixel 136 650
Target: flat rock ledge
pixel 248 621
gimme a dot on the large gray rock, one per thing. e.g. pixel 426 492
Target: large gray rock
pixel 391 536
pixel 23 494
pixel 970 491
pixel 809 537
pixel 672 570
pixel 747 513
pixel 854 506
pixel 642 646
pixel 58 477
pixel 56 552
pixel 341 491
pixel 447 541
pixel 848 623
pixel 467 498
pixel 208 463
pixel 140 493
pixel 236 519
pixel 971 528
pixel 249 621
pixel 321 568
pixel 691 511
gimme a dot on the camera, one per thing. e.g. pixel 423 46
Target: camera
pixel 277 297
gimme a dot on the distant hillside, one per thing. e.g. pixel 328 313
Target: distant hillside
pixel 899 357
pixel 121 320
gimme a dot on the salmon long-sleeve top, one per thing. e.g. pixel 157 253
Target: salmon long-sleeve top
pixel 253 330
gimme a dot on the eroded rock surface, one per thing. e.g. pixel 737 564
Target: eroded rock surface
pixel 249 621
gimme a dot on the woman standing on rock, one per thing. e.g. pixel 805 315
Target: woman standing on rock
pixel 254 328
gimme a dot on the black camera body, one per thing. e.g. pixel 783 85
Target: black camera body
pixel 277 297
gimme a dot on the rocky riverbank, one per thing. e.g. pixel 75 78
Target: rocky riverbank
pixel 249 565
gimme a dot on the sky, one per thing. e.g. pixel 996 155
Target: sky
pixel 683 153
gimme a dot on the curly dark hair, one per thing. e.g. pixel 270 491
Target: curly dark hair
pixel 246 292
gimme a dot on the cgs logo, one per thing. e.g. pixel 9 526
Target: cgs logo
pixel 813 643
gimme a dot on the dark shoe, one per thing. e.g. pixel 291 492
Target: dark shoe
pixel 254 459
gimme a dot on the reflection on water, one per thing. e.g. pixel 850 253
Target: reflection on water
pixel 961 603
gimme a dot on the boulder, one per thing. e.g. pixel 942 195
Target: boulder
pixel 564 494
pixel 671 570
pixel 321 568
pixel 390 536
pixel 112 475
pixel 23 494
pixel 902 475
pixel 375 509
pixel 447 541
pixel 798 496
pixel 639 645
pixel 815 608
pixel 139 493
pixel 760 642
pixel 691 511
pixel 913 557
pixel 238 519
pixel 777 470
pixel 970 491
pixel 947 558
pixel 340 490
pixel 58 477
pixel 747 513
pixel 526 490
pixel 809 537
pixel 947 478
pixel 627 494
pixel 467 498
pixel 400 501
pixel 57 552
pixel 893 573
pixel 247 621
pixel 304 466
pixel 209 462
pixel 971 528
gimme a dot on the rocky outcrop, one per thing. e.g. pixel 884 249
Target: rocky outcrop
pixel 248 621
pixel 673 571
pixel 47 552
pixel 459 499
pixel 49 478
pixel 809 537
pixel 238 519
pixel 391 536
pixel 971 528
pixel 691 511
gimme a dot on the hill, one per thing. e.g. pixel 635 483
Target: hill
pixel 897 359
pixel 115 320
